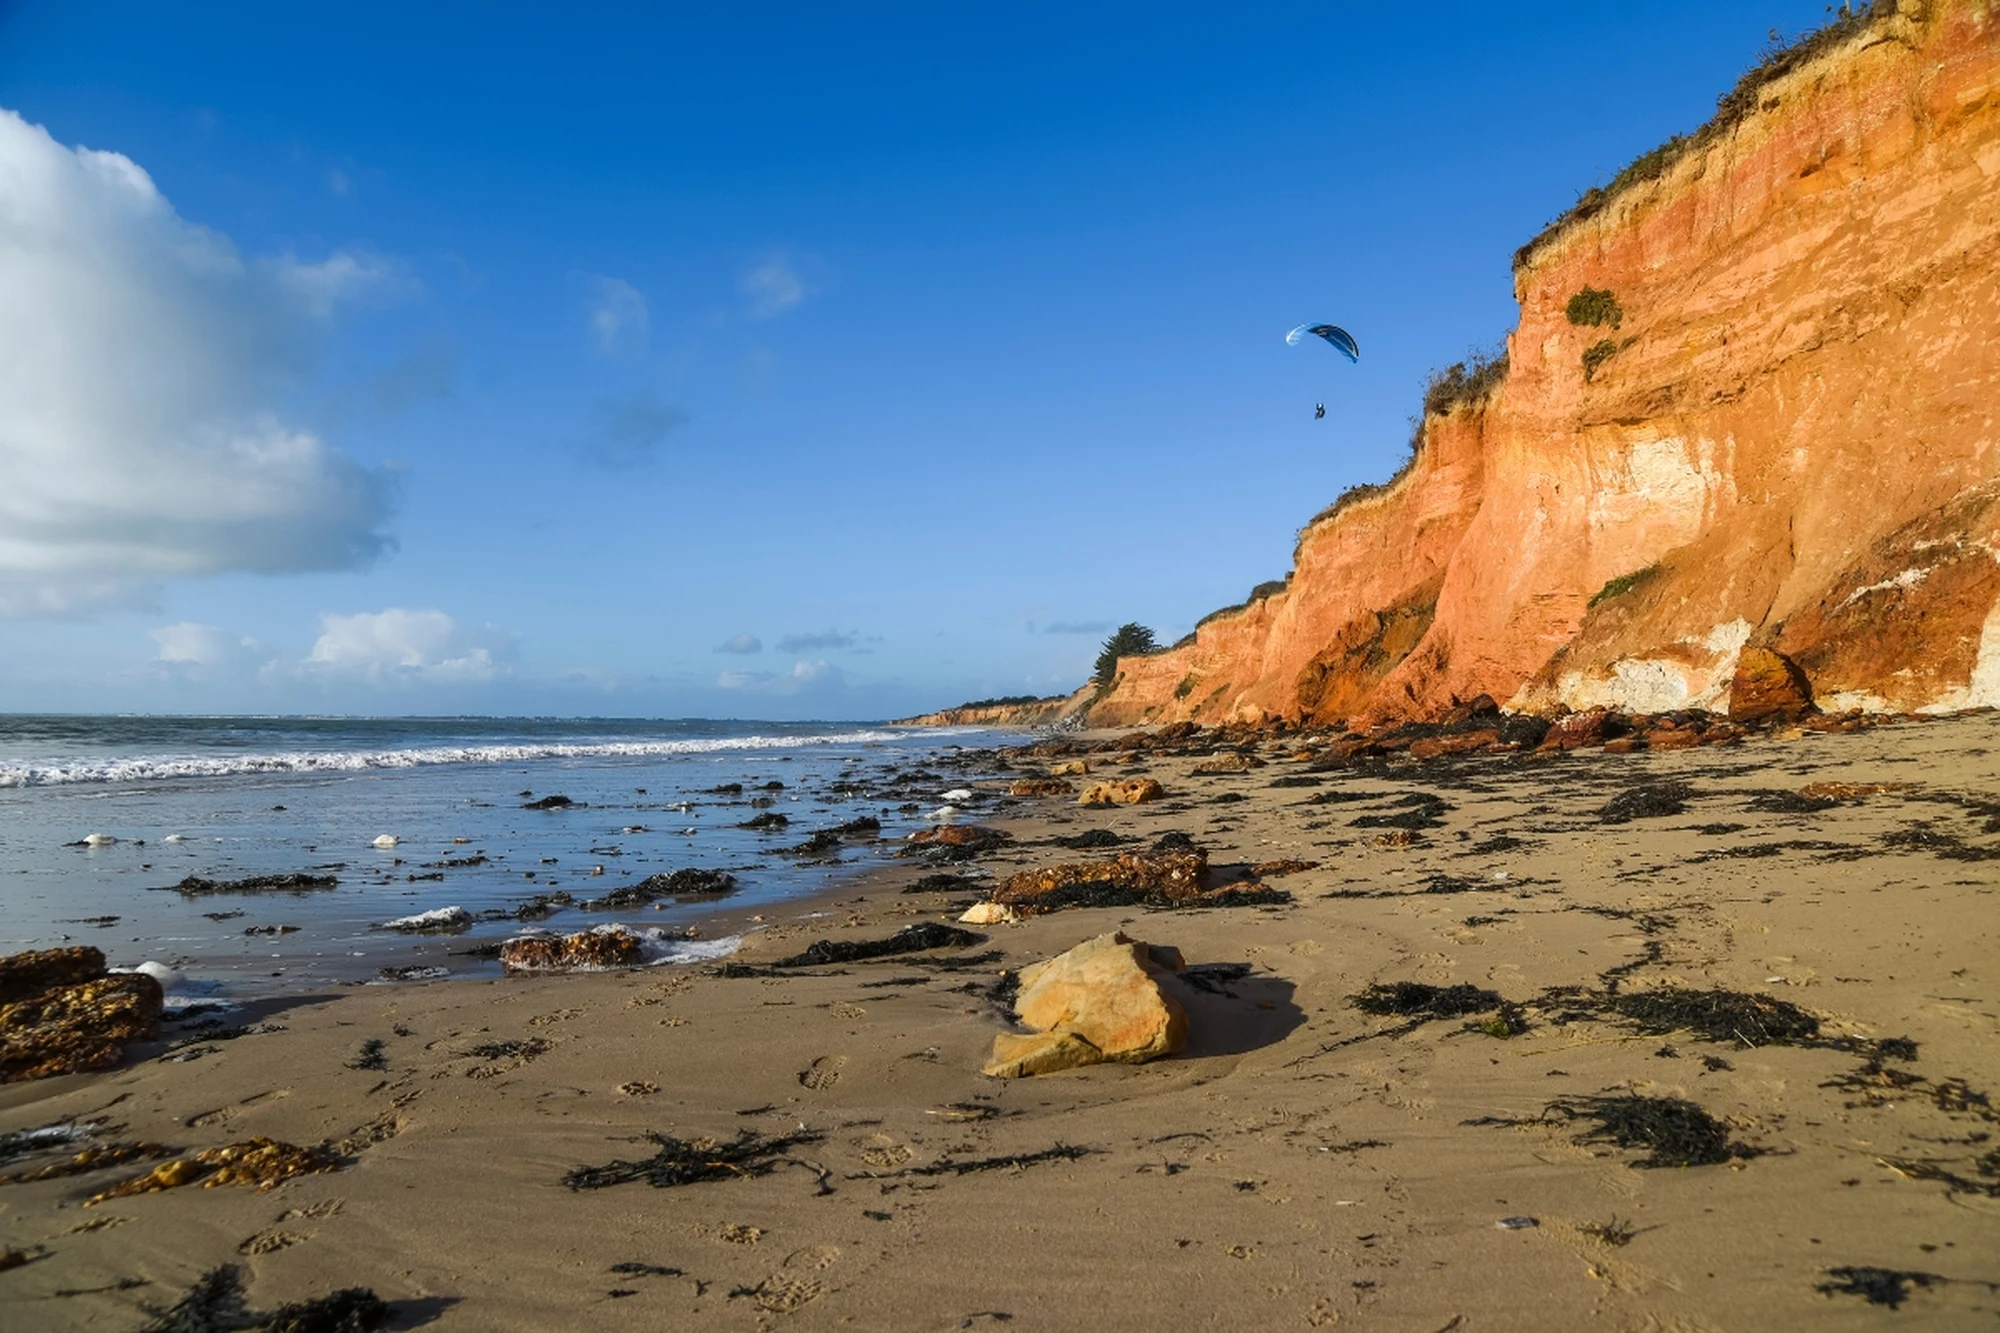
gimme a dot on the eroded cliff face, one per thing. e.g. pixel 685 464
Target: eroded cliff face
pixel 1788 440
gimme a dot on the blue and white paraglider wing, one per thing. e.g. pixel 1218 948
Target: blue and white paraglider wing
pixel 1338 338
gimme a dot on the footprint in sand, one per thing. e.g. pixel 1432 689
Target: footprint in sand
pixel 782 1293
pixel 813 1258
pixel 822 1073
pixel 269 1242
pixel 883 1152
pixel 324 1208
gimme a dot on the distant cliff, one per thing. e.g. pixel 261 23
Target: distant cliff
pixel 1751 400
pixel 1021 712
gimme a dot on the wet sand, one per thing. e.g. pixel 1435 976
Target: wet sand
pixel 1305 1164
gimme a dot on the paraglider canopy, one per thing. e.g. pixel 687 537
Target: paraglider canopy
pixel 1338 338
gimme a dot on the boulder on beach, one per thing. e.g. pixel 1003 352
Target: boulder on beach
pixel 590 950
pixel 1041 787
pixel 976 837
pixel 62 1013
pixel 1768 685
pixel 1101 1001
pixel 1582 731
pixel 1131 791
pixel 1069 768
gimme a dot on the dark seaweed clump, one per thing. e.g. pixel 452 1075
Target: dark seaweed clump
pixel 195 886
pixel 1653 801
pixel 680 1162
pixel 910 939
pixel 552 803
pixel 1419 811
pixel 1878 1286
pixel 214 1304
pixel 688 883
pixel 1719 1015
pixel 1415 999
pixel 1089 839
pixel 1297 780
pixel 373 1056
pixel 1674 1132
pixel 944 882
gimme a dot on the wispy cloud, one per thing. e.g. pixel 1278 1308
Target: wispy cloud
pixel 773 286
pixel 806 643
pixel 430 371
pixel 631 434
pixel 743 644
pixel 618 314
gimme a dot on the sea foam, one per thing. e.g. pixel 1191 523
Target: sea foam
pixel 143 768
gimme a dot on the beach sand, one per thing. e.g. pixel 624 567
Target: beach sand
pixel 1304 1164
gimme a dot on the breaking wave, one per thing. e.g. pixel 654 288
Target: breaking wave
pixel 146 768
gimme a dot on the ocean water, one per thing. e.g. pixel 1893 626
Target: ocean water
pixel 101 816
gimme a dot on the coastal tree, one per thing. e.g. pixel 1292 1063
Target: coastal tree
pixel 1128 639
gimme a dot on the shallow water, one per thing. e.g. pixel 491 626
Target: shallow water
pixel 249 796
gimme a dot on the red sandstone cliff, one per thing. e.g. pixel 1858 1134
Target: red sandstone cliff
pixel 1789 440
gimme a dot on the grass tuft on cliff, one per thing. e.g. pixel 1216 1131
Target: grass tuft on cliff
pixel 1624 583
pixel 1731 109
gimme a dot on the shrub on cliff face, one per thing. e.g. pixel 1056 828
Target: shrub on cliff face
pixel 1128 640
pixel 1463 382
pixel 1596 355
pixel 1594 307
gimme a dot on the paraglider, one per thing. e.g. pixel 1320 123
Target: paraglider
pixel 1336 337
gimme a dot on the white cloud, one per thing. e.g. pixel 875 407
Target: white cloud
pixel 773 287
pixel 743 680
pixel 741 643
pixel 810 671
pixel 402 645
pixel 200 645
pixel 617 314
pixel 141 362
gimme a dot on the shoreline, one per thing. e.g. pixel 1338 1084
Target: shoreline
pixel 1303 1162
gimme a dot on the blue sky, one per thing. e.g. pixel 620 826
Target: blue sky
pixel 788 361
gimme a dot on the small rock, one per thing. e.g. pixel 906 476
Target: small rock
pixel 1131 791
pixel 1069 768
pixel 385 841
pixel 989 914
pixel 1017 1055
pixel 1041 787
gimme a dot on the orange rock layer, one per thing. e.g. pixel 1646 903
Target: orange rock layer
pixel 1790 443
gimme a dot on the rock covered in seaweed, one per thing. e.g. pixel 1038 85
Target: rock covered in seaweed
pixel 64 1014
pixel 586 951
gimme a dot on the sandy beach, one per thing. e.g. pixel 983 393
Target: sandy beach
pixel 1303 1164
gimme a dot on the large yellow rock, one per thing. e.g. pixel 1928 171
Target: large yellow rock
pixel 1107 992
